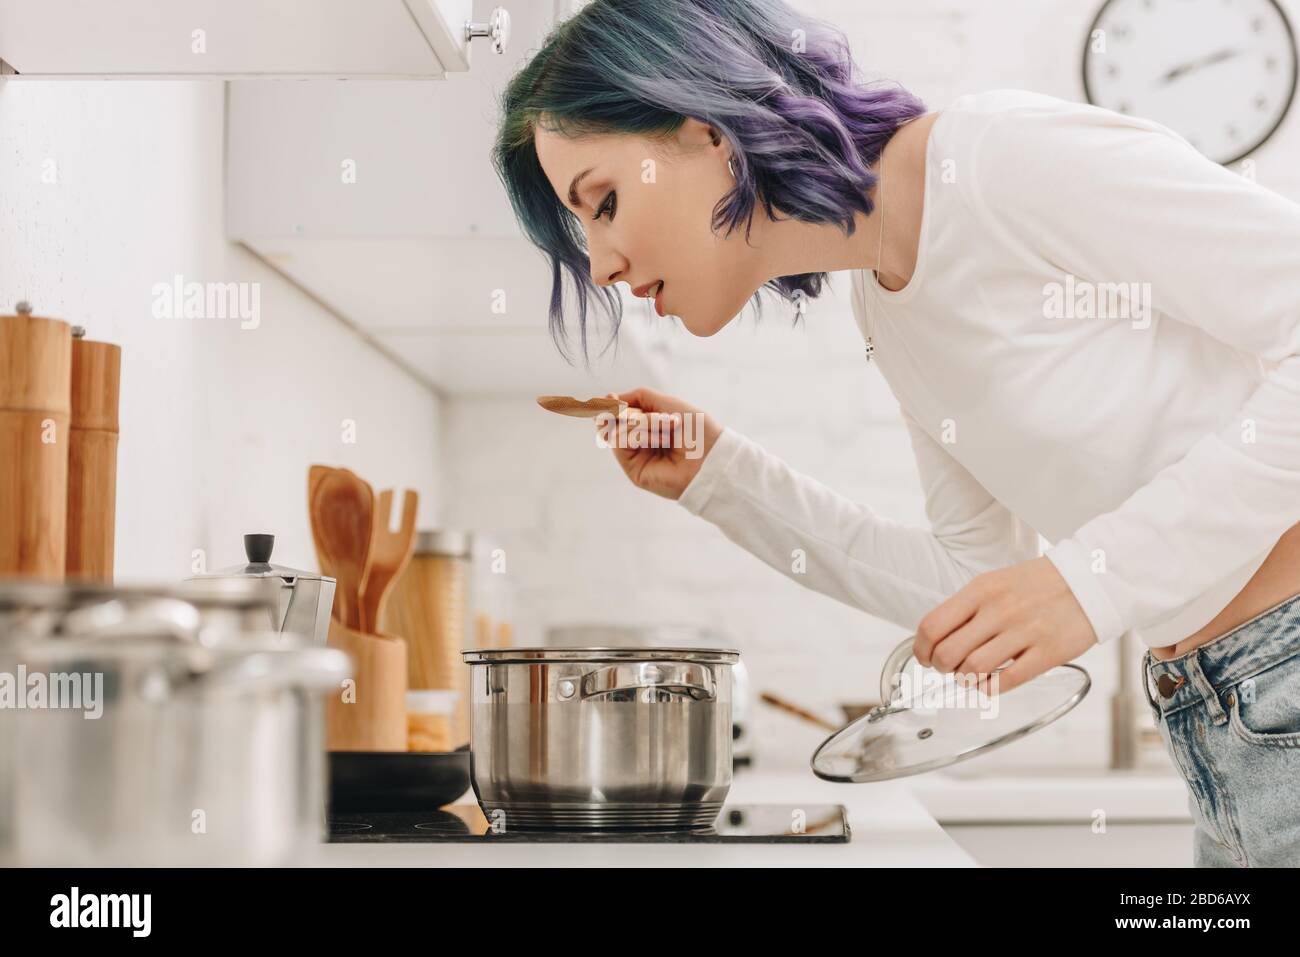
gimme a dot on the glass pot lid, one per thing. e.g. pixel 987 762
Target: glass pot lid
pixel 929 720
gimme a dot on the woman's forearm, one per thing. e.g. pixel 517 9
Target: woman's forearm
pixel 821 539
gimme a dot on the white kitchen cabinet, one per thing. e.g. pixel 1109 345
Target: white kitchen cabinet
pixel 388 159
pixel 380 200
pixel 1062 817
pixel 150 39
pixel 1145 844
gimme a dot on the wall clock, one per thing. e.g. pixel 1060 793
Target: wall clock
pixel 1221 73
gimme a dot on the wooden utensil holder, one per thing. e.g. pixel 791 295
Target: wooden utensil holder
pixel 370 713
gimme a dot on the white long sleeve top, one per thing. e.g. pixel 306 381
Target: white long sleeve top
pixel 1100 344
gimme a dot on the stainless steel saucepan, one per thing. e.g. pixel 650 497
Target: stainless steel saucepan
pixel 178 735
pixel 201 756
pixel 600 738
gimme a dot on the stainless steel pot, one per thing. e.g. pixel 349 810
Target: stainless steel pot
pixel 208 743
pixel 50 611
pixel 201 756
pixel 600 738
pixel 206 612
pixel 670 635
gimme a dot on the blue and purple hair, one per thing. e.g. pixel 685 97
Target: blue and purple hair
pixel 779 85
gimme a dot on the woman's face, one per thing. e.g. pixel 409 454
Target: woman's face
pixel 647 208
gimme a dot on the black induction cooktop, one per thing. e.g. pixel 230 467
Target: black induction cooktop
pixel 465 823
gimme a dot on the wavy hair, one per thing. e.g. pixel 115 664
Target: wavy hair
pixel 779 85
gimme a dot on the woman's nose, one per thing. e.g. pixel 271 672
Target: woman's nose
pixel 607 267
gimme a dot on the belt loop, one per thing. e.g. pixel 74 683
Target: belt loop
pixel 1202 684
pixel 1146 679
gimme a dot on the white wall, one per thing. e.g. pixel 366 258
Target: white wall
pixel 584 544
pixel 219 423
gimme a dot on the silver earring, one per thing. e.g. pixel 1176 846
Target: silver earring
pixel 731 169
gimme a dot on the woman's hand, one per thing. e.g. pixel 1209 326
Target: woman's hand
pixel 1024 612
pixel 652 444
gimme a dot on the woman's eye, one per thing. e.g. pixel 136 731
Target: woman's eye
pixel 608 206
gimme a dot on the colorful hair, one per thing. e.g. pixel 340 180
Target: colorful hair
pixel 778 84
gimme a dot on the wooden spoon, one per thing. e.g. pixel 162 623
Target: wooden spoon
pixel 583 408
pixel 790 708
pixel 389 553
pixel 344 508
pixel 315 475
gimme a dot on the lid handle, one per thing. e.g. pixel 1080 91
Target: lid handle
pixel 892 672
pixel 258 548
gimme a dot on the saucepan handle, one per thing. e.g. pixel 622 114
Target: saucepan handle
pixel 675 677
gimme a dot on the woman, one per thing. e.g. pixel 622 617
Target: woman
pixel 1092 330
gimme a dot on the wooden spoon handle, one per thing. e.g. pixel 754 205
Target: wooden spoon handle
pixel 368 621
pixel 780 703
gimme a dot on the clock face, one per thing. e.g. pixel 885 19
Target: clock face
pixel 1222 73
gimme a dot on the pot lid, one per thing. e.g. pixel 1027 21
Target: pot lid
pixel 605 635
pixel 725 656
pixel 258 548
pixel 167 666
pixel 18 595
pixel 928 720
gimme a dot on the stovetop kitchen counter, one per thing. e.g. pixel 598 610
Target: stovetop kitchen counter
pixel 890 828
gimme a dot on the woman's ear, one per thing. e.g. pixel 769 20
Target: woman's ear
pixel 696 133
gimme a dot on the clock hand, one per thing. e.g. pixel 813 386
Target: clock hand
pixel 1198 64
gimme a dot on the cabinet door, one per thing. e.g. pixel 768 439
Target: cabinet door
pixel 235 38
pixel 443 24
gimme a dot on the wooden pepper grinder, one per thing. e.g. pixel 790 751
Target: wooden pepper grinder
pixel 92 458
pixel 35 374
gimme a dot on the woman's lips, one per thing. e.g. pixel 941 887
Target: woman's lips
pixel 643 292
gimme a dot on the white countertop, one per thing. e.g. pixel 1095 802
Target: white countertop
pixel 893 823
pixel 970 796
pixel 890 828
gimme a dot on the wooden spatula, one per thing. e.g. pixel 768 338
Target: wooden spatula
pixel 389 553
pixel 342 518
pixel 315 476
pixel 584 408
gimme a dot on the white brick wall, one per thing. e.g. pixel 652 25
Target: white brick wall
pixel 584 545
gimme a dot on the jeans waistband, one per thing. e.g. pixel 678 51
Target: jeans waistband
pixel 1201 674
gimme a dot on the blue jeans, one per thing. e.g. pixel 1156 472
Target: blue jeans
pixel 1229 714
